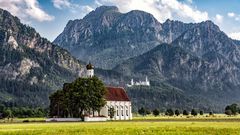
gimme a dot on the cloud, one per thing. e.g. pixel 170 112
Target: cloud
pixel 235 35
pixel 60 4
pixel 25 10
pixel 190 1
pixel 231 14
pixel 219 18
pixel 74 8
pixel 161 9
pixel 83 10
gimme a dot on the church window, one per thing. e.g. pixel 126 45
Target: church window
pixel 117 111
pixel 126 111
pixel 122 110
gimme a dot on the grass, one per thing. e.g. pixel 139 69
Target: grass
pixel 119 128
pixel 218 125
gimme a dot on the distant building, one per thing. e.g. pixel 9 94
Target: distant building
pixel 140 83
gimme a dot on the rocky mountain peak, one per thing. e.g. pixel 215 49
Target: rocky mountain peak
pixel 209 25
pixel 102 11
pixel 140 18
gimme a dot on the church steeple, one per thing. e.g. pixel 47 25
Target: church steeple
pixel 90 70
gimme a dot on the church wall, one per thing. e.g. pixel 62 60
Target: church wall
pixel 123 110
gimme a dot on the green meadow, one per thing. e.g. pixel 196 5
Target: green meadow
pixel 140 126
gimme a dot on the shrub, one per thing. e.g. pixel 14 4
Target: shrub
pixel 201 112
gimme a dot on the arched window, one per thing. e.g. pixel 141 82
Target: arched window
pixel 122 111
pixel 126 108
pixel 117 110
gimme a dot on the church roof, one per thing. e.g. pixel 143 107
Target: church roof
pixel 116 94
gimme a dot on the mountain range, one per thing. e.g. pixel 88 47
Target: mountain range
pixel 190 65
pixel 196 58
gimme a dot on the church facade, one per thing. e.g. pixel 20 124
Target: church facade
pixel 117 98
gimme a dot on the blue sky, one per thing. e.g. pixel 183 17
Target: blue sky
pixel 49 17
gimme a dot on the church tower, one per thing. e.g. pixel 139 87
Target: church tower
pixel 90 70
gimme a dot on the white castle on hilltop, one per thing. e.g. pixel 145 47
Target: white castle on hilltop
pixel 140 83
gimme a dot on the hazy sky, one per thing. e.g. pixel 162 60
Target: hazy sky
pixel 49 17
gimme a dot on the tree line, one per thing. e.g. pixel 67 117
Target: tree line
pixel 170 112
pixel 21 112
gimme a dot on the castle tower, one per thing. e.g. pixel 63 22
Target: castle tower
pixel 147 81
pixel 132 82
pixel 90 70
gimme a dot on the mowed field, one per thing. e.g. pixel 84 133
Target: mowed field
pixel 139 126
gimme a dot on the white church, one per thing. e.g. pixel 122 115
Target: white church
pixel 116 98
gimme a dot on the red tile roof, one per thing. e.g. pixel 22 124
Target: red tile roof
pixel 116 94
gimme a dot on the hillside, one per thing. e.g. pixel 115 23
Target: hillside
pixel 197 77
pixel 31 67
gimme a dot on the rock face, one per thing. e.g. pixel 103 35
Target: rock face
pixel 107 37
pixel 31 67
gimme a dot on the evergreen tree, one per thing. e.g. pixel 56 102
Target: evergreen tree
pixel 194 112
pixel 156 112
pixel 177 112
pixel 142 111
pixel 169 112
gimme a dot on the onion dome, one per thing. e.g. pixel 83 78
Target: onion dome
pixel 89 66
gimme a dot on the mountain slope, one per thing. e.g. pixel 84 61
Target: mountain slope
pixel 215 80
pixel 206 37
pixel 31 67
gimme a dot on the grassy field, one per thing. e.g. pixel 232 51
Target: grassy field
pixel 140 125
